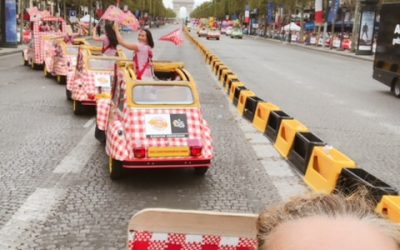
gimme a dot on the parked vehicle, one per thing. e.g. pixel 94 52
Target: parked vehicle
pixel 387 54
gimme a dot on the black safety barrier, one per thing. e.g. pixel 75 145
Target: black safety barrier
pixel 228 90
pixel 274 123
pixel 237 94
pixel 354 179
pixel 250 107
pixel 304 143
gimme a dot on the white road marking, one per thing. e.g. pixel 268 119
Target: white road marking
pixel 392 128
pixel 365 113
pixel 79 156
pixel 88 123
pixel 37 207
pixel 35 210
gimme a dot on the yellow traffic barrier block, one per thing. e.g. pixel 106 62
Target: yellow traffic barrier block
pixel 223 71
pixel 217 66
pixel 234 86
pixel 286 134
pixel 230 79
pixel 389 207
pixel 261 117
pixel 244 94
pixel 324 168
pixel 214 62
pixel 211 59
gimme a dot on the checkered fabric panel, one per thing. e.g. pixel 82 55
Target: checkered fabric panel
pixel 87 80
pixel 118 141
pixel 102 108
pixel 134 121
pixel 49 54
pixel 143 240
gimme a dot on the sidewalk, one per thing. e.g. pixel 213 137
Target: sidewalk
pixel 320 49
pixel 9 51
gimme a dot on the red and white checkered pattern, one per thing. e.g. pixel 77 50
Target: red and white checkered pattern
pixel 102 108
pixel 121 147
pixel 143 240
pixel 49 50
pixel 85 84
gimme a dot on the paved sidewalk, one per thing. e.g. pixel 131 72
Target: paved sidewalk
pixel 320 49
pixel 9 51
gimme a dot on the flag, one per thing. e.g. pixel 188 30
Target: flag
pixel 333 11
pixel 319 13
pixel 174 37
pixel 128 19
pixel 112 14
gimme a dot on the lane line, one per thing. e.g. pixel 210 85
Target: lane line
pixel 89 123
pixel 35 210
pixel 79 156
pixel 38 206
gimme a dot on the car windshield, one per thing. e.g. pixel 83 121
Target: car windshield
pixel 72 50
pixel 101 64
pixel 162 94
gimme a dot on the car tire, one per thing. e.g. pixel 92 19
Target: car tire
pixel 26 63
pixel 114 168
pixel 396 88
pixel 45 72
pixel 62 79
pixel 77 107
pixel 68 94
pixel 200 170
pixel 100 135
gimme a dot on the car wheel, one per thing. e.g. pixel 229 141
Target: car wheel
pixel 396 89
pixel 45 72
pixel 26 63
pixel 114 168
pixel 68 93
pixel 100 135
pixel 77 107
pixel 62 79
pixel 200 170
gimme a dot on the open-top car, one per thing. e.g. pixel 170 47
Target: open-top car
pixel 167 229
pixel 62 57
pixel 43 29
pixel 156 124
pixel 237 33
pixel 202 32
pixel 213 34
pixel 92 76
pixel 163 70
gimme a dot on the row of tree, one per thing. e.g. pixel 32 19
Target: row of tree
pixel 154 8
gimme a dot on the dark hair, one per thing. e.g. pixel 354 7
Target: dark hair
pixel 110 33
pixel 149 37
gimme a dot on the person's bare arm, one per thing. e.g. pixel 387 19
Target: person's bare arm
pixel 95 36
pixel 122 42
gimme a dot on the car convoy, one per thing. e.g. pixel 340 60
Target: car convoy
pixel 154 123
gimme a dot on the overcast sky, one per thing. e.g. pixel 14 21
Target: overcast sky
pixel 168 3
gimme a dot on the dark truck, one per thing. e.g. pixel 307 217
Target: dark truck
pixel 387 55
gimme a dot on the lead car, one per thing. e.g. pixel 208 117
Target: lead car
pixel 155 124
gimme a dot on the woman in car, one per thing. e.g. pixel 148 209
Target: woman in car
pixel 109 40
pixel 143 52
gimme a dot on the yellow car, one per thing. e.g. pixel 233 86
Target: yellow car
pixel 156 124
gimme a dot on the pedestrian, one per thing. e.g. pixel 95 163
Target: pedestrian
pixel 321 222
pixel 109 40
pixel 143 52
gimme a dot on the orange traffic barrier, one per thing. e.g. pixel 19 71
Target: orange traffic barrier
pixel 389 207
pixel 287 133
pixel 261 117
pixel 324 168
pixel 230 78
pixel 222 73
pixel 242 100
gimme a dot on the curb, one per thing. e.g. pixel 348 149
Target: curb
pixel 323 168
pixel 331 52
pixel 11 52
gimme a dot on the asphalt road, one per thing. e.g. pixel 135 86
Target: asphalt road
pixel 334 96
pixel 55 192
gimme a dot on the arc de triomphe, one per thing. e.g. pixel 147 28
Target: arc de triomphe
pixel 178 4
